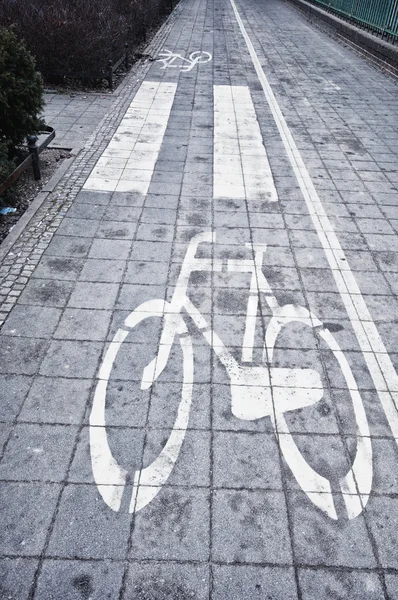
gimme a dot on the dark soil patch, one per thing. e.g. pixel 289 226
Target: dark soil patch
pixel 26 188
pixel 69 84
pixel 66 85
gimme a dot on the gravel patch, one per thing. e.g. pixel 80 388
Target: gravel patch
pixel 27 188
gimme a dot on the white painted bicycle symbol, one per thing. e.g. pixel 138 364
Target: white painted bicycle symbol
pixel 256 391
pixel 177 61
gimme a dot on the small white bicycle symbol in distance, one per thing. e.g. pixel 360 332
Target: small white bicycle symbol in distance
pixel 256 391
pixel 177 61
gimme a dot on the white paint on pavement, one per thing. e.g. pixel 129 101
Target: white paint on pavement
pixel 128 162
pixel 110 478
pixel 256 391
pixel 149 480
pixel 241 167
pixel 172 60
pixel 376 357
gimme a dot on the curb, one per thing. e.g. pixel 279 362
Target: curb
pixel 38 201
pixel 384 54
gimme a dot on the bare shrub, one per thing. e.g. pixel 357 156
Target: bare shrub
pixel 79 36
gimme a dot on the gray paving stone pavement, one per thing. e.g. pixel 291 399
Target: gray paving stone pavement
pixel 75 116
pixel 283 482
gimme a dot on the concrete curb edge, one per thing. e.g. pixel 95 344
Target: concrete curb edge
pixel 38 201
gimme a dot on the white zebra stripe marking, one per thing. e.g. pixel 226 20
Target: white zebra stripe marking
pixel 128 162
pixel 241 167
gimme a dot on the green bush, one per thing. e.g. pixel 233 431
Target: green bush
pixel 21 92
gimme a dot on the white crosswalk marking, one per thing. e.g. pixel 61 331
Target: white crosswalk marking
pixel 241 167
pixel 128 162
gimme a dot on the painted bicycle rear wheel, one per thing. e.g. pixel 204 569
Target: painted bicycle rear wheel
pixel 355 485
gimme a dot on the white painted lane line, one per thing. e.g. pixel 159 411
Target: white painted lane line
pixel 228 175
pixel 128 162
pixel 378 361
pixel 241 167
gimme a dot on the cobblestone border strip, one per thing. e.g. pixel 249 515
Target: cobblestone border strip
pixel 27 250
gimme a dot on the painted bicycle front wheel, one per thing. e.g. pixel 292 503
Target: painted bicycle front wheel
pixel 131 364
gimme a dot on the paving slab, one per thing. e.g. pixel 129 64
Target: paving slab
pixel 74 116
pixel 198 367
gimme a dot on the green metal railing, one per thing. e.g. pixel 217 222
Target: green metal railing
pixel 378 16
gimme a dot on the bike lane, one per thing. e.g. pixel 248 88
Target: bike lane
pixel 221 514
